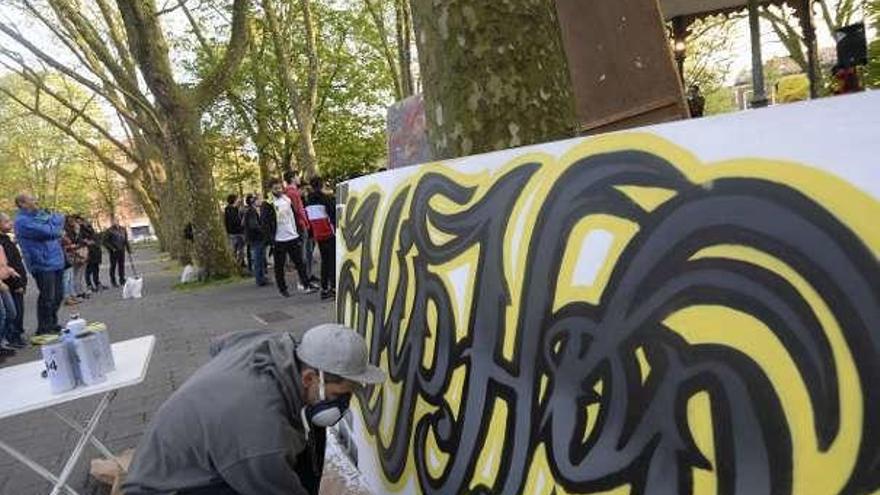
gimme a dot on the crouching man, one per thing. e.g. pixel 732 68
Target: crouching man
pixel 251 421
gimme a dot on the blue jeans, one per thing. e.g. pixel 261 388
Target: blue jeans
pixel 67 282
pixel 51 287
pixel 258 261
pixel 8 315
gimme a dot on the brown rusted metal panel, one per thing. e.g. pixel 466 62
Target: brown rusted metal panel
pixel 621 64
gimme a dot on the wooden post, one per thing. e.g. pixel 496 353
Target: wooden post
pixel 759 93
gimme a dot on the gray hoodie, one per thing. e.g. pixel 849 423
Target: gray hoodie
pixel 233 427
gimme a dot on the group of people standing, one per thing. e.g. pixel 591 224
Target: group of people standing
pixel 289 223
pixel 83 254
pixel 62 254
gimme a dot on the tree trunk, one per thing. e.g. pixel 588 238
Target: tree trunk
pixel 308 158
pixel 403 14
pixel 494 75
pixel 151 210
pixel 209 247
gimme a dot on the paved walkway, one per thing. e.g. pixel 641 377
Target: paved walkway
pixel 184 323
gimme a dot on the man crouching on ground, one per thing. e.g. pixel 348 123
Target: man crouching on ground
pixel 251 421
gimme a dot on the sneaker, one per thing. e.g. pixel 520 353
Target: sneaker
pixel 310 289
pixel 285 293
pixel 326 294
pixel 17 343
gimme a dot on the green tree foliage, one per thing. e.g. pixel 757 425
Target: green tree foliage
pixel 38 158
pixel 786 24
pixel 354 87
pixel 872 72
pixel 711 51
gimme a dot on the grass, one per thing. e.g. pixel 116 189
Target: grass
pixel 214 282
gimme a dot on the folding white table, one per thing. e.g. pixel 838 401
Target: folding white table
pixel 24 390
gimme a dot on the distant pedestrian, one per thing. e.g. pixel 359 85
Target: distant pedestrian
pixel 232 220
pixel 321 210
pixel 39 234
pixel 295 195
pixel 77 252
pixel 95 256
pixel 8 312
pixel 281 222
pixel 17 284
pixel 696 101
pixel 256 236
pixel 116 242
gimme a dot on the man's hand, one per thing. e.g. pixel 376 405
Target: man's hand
pixel 3 287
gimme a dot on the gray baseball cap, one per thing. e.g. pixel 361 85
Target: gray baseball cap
pixel 339 350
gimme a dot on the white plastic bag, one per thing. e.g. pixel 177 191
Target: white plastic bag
pixel 134 288
pixel 190 274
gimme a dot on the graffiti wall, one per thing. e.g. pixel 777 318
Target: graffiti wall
pixel 690 308
pixel 407 133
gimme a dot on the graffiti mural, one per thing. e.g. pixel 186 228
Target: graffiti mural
pixel 620 318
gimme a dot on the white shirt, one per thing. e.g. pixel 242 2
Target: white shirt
pixel 286 220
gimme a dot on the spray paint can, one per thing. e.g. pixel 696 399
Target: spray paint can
pixel 76 325
pixel 100 330
pixel 88 353
pixel 68 339
pixel 60 367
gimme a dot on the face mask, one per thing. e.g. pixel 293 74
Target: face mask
pixel 325 412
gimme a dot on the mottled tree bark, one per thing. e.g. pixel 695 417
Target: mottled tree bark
pixel 494 74
pixel 303 100
pixel 181 108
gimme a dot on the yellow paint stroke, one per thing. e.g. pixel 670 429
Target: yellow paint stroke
pixel 644 365
pixel 489 460
pixel 567 291
pixel 814 471
pixel 649 198
pixel 699 416
pixel 818 472
pixel 430 336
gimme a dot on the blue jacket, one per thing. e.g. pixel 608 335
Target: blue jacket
pixel 39 235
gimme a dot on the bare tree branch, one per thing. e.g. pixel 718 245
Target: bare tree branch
pixel 93 148
pixel 217 81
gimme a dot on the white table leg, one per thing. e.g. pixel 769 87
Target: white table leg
pixel 45 473
pixel 83 439
pixel 95 442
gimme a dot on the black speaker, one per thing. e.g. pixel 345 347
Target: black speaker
pixel 852 46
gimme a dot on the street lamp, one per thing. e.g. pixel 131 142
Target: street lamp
pixel 680 49
pixel 679 44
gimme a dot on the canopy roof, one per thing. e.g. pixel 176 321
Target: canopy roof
pixel 699 8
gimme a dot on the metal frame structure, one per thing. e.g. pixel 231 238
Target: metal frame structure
pixel 681 15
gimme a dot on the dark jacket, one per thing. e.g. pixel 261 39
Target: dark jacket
pixel 233 426
pixel 253 225
pixel 93 241
pixel 232 220
pixel 14 260
pixel 39 235
pixel 321 211
pixel 270 218
pixel 329 202
pixel 116 239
